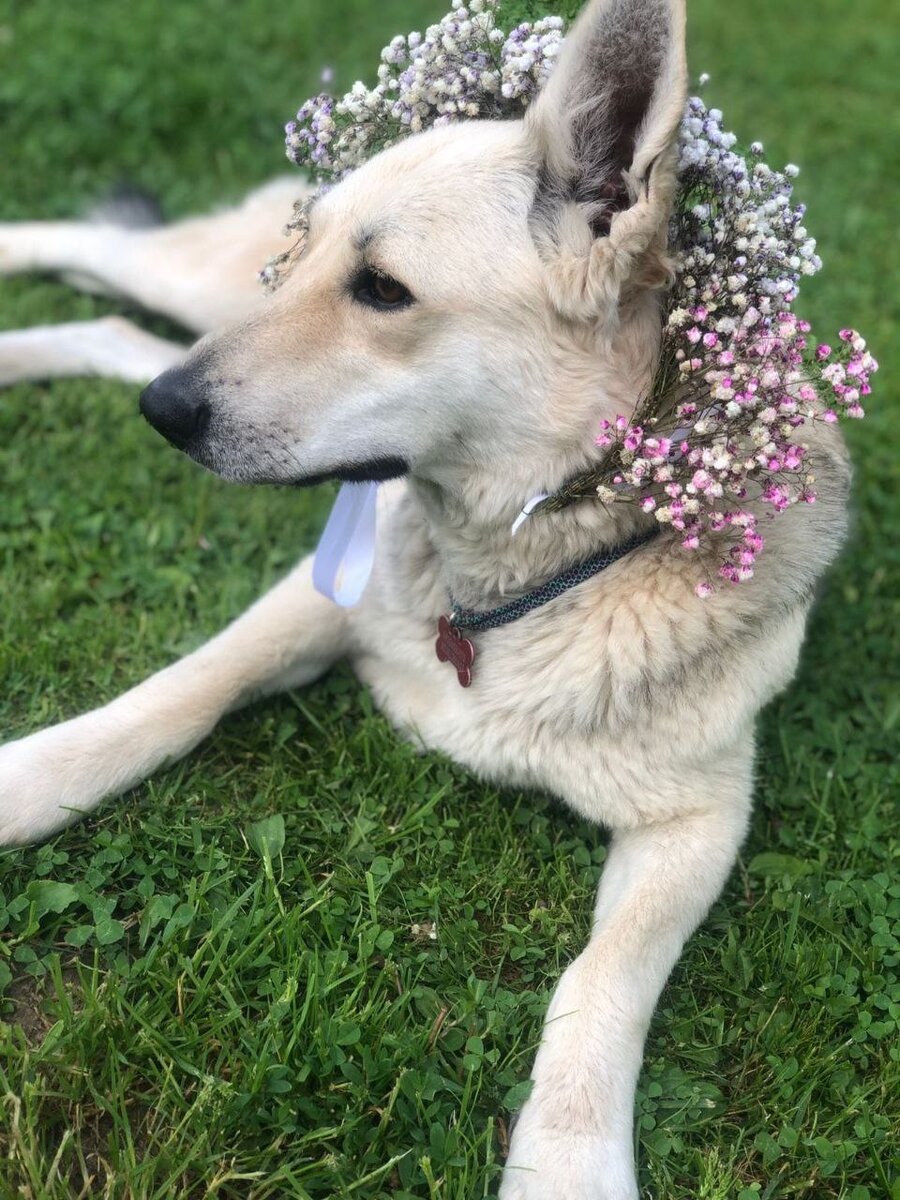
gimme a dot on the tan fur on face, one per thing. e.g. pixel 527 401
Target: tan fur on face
pixel 457 215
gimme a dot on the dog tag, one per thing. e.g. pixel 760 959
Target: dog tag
pixel 453 648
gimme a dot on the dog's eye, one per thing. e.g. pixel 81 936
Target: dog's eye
pixel 380 291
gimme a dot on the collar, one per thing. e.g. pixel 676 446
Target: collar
pixel 459 651
pixel 346 553
pixel 478 621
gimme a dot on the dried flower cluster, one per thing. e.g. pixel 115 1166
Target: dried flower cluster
pixel 739 376
pixel 461 68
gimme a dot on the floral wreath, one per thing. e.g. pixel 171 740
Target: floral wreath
pixel 738 374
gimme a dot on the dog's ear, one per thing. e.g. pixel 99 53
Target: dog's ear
pixel 604 133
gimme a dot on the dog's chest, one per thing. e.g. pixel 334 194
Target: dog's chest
pixel 545 706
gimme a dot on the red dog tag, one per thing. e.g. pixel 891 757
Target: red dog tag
pixel 453 648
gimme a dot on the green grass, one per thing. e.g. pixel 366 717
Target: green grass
pixel 191 1008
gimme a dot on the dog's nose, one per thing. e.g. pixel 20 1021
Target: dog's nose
pixel 176 407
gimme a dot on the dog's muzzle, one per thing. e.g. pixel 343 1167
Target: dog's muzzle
pixel 176 406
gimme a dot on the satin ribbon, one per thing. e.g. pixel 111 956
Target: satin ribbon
pixel 346 550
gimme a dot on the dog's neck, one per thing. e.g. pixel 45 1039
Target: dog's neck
pixel 483 563
pixel 470 508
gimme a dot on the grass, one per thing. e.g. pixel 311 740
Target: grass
pixel 226 985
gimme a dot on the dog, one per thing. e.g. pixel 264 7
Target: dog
pixel 457 325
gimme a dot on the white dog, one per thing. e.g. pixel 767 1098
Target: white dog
pixel 460 318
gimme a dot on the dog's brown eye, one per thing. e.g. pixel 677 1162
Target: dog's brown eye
pixel 389 291
pixel 380 291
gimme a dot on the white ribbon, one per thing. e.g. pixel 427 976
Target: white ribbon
pixel 345 554
pixel 346 550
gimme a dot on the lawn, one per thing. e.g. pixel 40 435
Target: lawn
pixel 306 962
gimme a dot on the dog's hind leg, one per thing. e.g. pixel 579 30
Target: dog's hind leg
pixel 111 347
pixel 287 639
pixel 201 272
pixel 574 1137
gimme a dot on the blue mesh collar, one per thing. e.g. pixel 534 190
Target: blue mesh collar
pixel 476 620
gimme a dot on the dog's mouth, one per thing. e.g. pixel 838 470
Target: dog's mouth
pixel 375 470
pixel 243 469
pixel 250 461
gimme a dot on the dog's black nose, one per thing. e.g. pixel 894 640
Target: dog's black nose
pixel 176 406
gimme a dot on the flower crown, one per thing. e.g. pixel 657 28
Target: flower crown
pixel 738 374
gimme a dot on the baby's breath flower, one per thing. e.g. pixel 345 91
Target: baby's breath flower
pixel 463 67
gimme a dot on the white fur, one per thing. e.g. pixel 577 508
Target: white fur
pixel 630 698
pixel 109 346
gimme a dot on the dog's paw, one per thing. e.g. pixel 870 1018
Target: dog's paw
pixel 44 784
pixel 547 1162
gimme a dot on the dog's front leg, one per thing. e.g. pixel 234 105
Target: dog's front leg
pixel 573 1139
pixel 285 640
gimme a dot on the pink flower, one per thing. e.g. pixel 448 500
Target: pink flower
pixel 704 590
pixel 823 351
pixel 740 519
pixel 657 448
pixel 777 496
pixel 847 335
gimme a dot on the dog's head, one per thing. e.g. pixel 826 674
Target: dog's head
pixel 475 293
